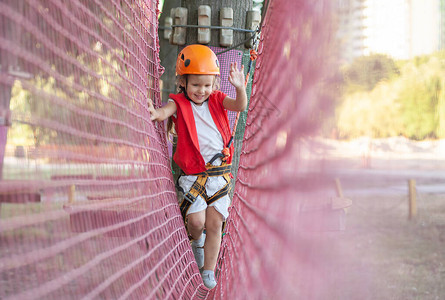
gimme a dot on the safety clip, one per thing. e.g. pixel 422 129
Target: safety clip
pixel 190 198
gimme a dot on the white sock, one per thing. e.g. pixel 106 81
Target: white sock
pixel 204 272
pixel 199 242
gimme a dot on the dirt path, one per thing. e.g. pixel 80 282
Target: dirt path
pixel 382 254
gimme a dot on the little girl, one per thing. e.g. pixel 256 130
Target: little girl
pixel 199 113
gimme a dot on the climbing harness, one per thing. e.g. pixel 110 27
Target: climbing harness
pixel 198 187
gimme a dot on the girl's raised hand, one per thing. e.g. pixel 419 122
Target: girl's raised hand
pixel 236 76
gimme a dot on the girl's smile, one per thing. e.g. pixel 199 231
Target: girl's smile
pixel 199 87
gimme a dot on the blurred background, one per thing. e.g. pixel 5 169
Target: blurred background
pixel 341 155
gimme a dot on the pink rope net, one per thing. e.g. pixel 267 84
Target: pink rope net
pixel 272 248
pixel 88 206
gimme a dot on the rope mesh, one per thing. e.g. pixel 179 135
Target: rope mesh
pixel 277 186
pixel 88 206
pixel 88 203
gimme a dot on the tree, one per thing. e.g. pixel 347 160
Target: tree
pixel 412 104
pixel 366 71
pixel 167 53
pixel 419 101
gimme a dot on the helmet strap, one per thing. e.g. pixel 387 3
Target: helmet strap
pixel 184 88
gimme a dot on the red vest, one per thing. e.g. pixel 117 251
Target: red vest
pixel 187 154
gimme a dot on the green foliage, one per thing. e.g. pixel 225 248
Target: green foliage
pixel 373 114
pixel 440 114
pixel 28 107
pixel 411 104
pixel 47 111
pixel 365 72
pixel 418 111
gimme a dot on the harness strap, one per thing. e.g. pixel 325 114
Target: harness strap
pixel 214 171
pixel 198 187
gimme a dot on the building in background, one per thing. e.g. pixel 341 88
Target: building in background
pixel 442 24
pixel 401 29
pixel 350 29
pixel 425 27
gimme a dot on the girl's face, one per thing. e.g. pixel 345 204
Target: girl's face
pixel 199 87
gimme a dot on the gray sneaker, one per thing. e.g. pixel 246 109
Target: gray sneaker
pixel 198 250
pixel 208 277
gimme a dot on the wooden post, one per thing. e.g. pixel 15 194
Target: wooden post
pixel 71 194
pixel 338 188
pixel 239 8
pixel 412 199
pixel 340 195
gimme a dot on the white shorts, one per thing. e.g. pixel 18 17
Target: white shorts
pixel 213 185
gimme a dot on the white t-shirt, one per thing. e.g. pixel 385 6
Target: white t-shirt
pixel 209 137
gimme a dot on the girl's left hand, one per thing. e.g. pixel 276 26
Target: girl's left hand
pixel 152 110
pixel 236 76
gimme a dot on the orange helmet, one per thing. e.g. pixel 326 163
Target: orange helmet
pixel 197 59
